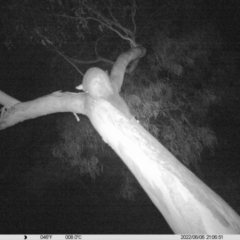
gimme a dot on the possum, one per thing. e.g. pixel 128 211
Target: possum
pixel 97 84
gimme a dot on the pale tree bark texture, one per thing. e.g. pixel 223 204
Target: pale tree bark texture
pixel 187 204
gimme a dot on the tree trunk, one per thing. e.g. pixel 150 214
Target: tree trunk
pixel 187 204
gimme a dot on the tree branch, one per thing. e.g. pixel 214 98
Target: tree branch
pixel 53 103
pixel 114 25
pixel 56 50
pixel 134 8
pixel 119 68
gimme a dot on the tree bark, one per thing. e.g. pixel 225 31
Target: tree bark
pixel 187 204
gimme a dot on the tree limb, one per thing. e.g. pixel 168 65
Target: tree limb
pixel 53 103
pixel 119 68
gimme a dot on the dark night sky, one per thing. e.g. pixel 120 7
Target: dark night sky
pixel 66 207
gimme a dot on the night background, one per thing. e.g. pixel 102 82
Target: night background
pixel 56 174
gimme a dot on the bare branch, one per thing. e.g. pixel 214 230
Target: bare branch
pixel 68 60
pixel 133 12
pixel 52 103
pixel 56 50
pixel 107 25
pixel 110 12
pixel 114 25
pixel 99 59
